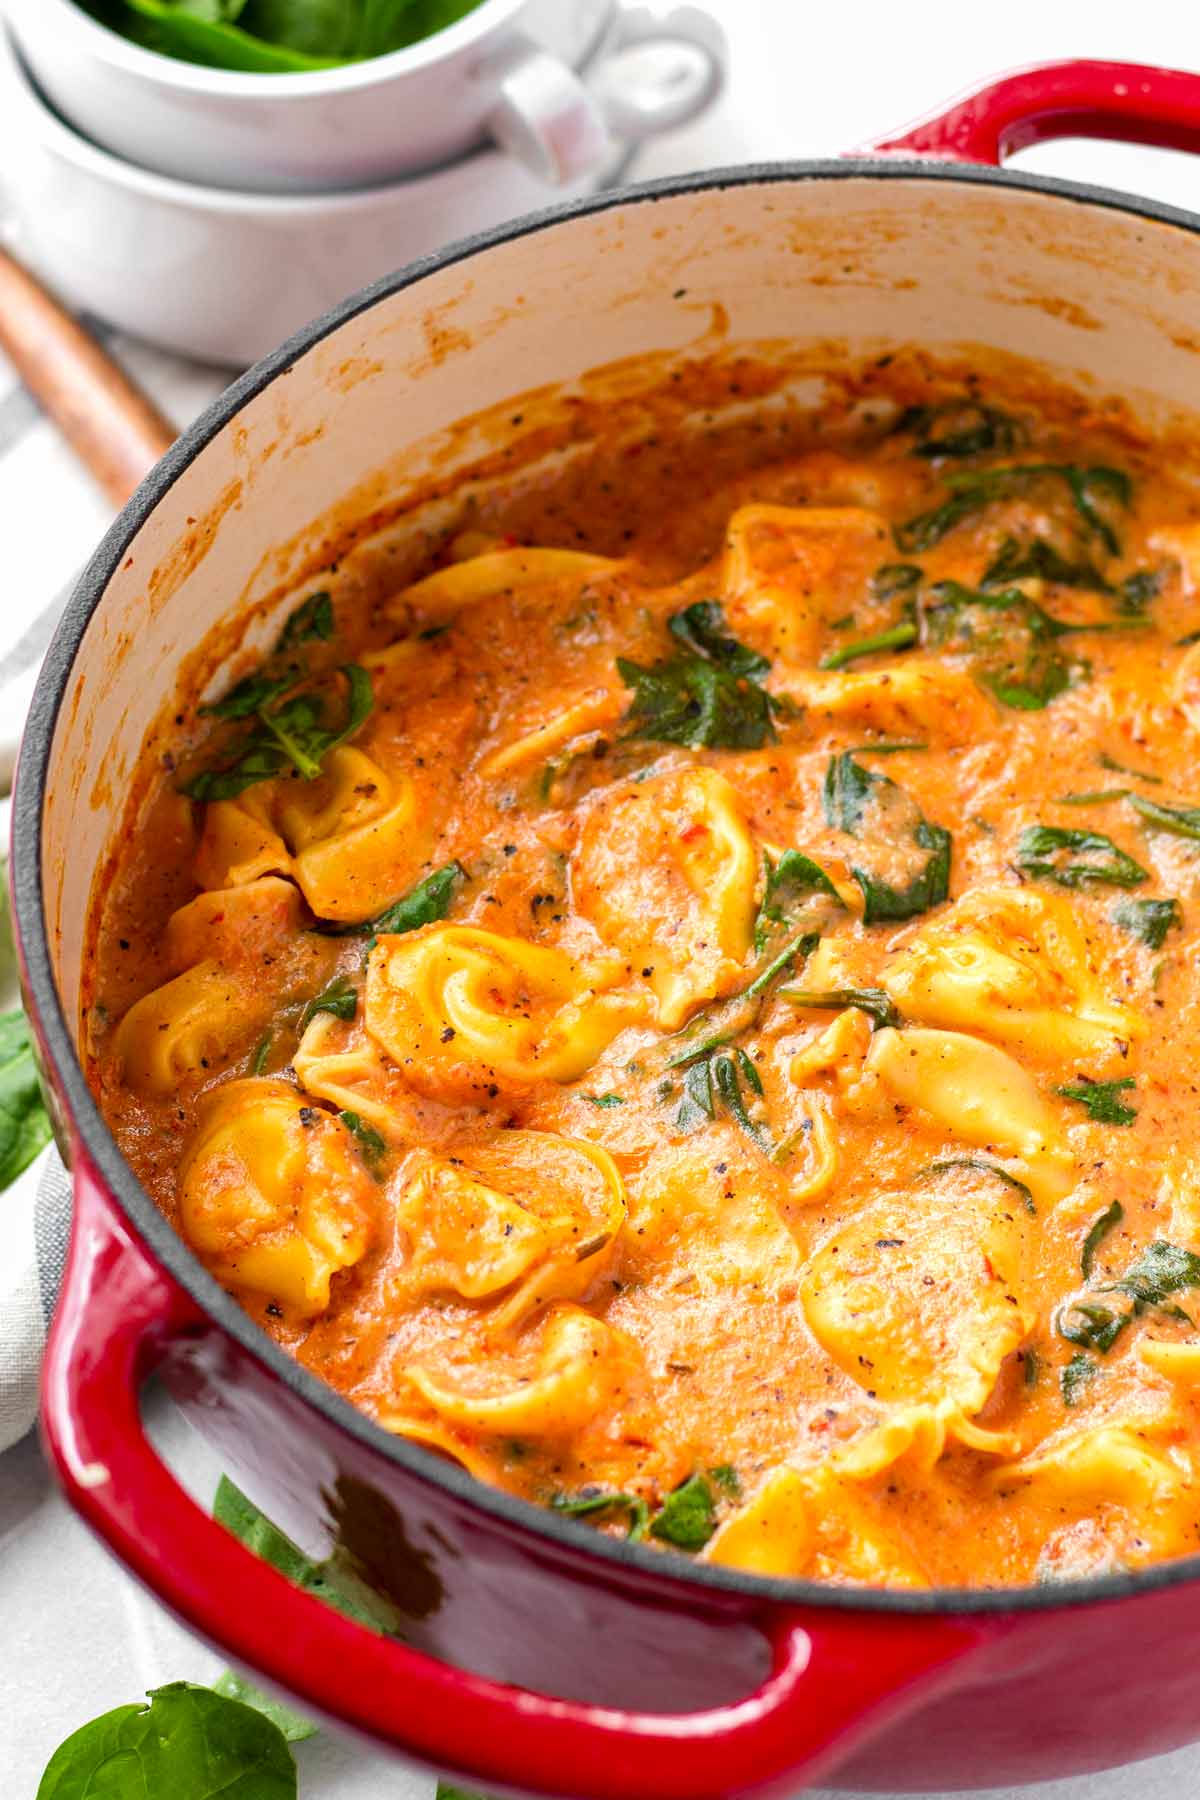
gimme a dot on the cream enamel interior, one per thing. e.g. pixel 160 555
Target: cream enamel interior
pixel 852 260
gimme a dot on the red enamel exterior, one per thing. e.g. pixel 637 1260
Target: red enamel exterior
pixel 528 1658
pixel 1126 101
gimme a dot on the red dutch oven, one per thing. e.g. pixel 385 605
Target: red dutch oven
pixel 537 1657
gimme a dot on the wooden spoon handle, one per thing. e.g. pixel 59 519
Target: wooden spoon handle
pixel 116 432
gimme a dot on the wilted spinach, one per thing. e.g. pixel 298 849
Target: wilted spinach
pixel 970 491
pixel 1147 920
pixel 855 798
pixel 707 693
pixel 1092 859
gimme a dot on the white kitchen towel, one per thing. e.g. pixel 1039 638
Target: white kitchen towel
pixel 37 1214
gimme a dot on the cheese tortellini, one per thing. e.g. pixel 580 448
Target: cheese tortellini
pixel 570 1370
pixel 919 696
pixel 500 573
pixel 920 1299
pixel 273 1195
pixel 789 569
pixel 979 1094
pixel 349 838
pixel 524 1214
pixel 1013 964
pixel 232 924
pixel 191 1024
pixel 812 1522
pixel 208 1013
pixel 1112 1475
pixel 351 1075
pixel 459 1010
pixel 667 872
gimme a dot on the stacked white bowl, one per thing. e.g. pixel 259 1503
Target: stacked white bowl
pixel 213 212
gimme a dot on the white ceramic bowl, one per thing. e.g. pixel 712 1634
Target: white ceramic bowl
pixel 552 81
pixel 217 275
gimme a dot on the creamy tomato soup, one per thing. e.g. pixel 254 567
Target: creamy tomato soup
pixel 688 1008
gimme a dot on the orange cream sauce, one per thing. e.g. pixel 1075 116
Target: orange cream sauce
pixel 571 1178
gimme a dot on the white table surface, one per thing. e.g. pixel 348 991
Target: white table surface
pixel 77 1635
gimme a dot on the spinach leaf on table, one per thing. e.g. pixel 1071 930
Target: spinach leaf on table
pixel 189 1743
pixel 24 1122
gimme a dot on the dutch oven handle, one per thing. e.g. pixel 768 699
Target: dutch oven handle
pixel 835 1676
pixel 1130 102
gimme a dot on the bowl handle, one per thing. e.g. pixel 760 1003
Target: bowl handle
pixel 835 1675
pixel 1130 102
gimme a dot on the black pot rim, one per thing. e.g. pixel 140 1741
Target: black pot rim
pixel 665 1571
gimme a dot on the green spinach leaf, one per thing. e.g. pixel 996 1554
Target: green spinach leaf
pixel 294 1726
pixel 787 883
pixel 1009 638
pixel 1147 920
pixel 969 492
pixel 370 1142
pixel 1180 821
pixel 715 1083
pixel 706 695
pixel 340 998
pixel 958 428
pixel 278 37
pixel 1101 1099
pixel 1036 559
pixel 24 1121
pixel 983 1167
pixel 698 1104
pixel 891 579
pixel 1093 1326
pixel 1136 591
pixel 700 628
pixel 1077 1377
pixel 1116 768
pixel 189 1743
pixel 1162 1270
pixel 1092 860
pixel 848 792
pixel 424 904
pixel 334 1581
pixel 879 1006
pixel 1099 1229
pixel 727 1089
pixel 687 1517
pixel 853 797
pixel 896 637
pixel 293 735
pixel 593 1503
pixel 312 622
